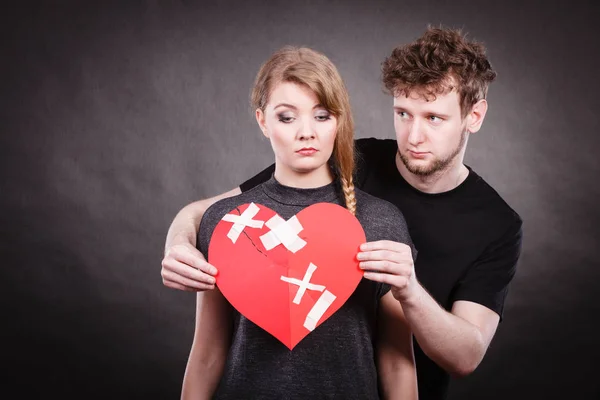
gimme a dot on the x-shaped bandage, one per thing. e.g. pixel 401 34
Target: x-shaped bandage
pixel 283 232
pixel 304 283
pixel 320 306
pixel 242 221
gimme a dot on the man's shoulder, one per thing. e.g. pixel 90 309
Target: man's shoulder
pixel 494 201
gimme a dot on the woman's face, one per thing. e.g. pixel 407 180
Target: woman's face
pixel 302 134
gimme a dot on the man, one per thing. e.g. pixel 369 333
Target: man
pixel 468 239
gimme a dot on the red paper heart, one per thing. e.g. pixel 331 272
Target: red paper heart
pixel 250 276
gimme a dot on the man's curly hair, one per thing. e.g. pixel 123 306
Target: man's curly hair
pixel 439 61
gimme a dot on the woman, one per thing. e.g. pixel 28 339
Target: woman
pixel 364 350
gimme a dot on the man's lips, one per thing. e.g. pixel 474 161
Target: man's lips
pixel 307 151
pixel 418 154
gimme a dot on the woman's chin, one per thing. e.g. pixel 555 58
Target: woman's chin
pixel 307 169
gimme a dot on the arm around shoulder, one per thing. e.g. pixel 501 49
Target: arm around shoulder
pixel 183 266
pixel 184 227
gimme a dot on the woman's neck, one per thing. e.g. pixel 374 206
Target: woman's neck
pixel 303 180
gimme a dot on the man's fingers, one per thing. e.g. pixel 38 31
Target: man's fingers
pixel 193 265
pixel 384 245
pixel 191 257
pixel 172 268
pixel 170 278
pixel 379 255
pixel 392 280
pixel 185 268
pixel 383 266
pixel 377 277
pixel 385 255
pixel 177 286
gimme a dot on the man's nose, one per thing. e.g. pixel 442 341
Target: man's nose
pixel 415 134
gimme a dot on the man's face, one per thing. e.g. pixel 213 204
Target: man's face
pixel 432 134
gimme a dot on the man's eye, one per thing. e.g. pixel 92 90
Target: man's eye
pixel 435 119
pixel 402 114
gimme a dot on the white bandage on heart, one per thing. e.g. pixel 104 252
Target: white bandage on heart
pixel 283 232
pixel 242 221
pixel 315 313
pixel 322 304
pixel 304 283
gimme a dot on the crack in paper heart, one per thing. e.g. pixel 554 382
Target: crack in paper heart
pixel 249 238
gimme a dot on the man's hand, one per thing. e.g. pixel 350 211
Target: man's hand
pixel 392 263
pixel 185 268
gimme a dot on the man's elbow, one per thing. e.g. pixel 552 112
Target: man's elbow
pixel 467 364
pixel 463 369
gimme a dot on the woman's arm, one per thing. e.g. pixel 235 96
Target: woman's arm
pixel 212 338
pixel 395 356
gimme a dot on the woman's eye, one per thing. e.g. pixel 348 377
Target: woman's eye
pixel 285 119
pixel 323 117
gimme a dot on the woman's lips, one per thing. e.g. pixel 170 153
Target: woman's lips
pixel 308 151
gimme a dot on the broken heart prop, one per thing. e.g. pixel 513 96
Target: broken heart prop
pixel 287 277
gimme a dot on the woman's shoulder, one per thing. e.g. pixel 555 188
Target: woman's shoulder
pixel 369 205
pixel 380 219
pixel 218 209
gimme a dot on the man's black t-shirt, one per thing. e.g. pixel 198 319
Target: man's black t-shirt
pixel 468 239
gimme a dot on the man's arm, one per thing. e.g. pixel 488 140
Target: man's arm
pixel 455 341
pixel 395 357
pixel 458 340
pixel 183 266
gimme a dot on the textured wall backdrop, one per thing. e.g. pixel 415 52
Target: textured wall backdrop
pixel 114 115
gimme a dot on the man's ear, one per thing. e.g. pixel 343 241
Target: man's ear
pixel 260 119
pixel 476 116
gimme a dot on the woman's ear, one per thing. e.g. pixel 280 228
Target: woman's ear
pixel 260 119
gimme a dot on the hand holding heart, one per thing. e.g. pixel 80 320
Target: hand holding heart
pixel 392 263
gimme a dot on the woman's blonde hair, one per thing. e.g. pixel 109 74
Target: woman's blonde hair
pixel 310 68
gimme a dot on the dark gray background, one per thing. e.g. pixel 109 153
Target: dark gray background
pixel 114 115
